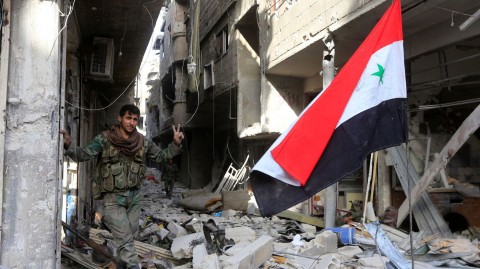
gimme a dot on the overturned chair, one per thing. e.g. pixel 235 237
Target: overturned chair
pixel 232 177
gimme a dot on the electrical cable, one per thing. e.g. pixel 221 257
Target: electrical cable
pixel 149 14
pixel 123 37
pixel 59 32
pixel 121 94
pixel 449 10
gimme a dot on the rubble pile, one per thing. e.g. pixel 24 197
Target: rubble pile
pixel 185 232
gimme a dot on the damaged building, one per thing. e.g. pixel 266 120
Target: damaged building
pixel 237 73
pixel 234 74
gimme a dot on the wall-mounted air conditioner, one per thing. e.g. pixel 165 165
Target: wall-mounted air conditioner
pixel 101 65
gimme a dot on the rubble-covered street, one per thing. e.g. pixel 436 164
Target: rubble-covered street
pixel 177 233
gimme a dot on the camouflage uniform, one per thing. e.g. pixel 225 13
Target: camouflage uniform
pixel 169 176
pixel 117 182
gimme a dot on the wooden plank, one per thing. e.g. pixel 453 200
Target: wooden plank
pixel 468 127
pixel 142 248
pixel 301 217
pixel 80 258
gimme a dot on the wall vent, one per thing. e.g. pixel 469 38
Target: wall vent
pixel 101 65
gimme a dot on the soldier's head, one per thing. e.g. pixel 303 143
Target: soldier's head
pixel 128 118
pixel 133 109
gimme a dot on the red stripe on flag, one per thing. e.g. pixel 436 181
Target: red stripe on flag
pixel 303 146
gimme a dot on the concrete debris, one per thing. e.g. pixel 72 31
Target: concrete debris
pixel 182 233
pixel 252 256
pixel 373 262
pixel 239 234
pixel 201 258
pixel 182 247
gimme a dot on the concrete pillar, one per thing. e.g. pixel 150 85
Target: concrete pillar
pixel 328 73
pixel 31 176
pixel 181 85
pixel 4 56
pixel 384 183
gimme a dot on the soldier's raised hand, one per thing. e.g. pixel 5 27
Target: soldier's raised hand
pixel 177 135
pixel 67 139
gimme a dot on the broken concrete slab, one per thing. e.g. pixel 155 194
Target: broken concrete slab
pixel 182 247
pixel 194 226
pixel 254 255
pixel 237 248
pixel 349 251
pixel 239 234
pixel 176 230
pixel 202 260
pixel 236 200
pixel 325 242
pixel 373 262
pixel 308 228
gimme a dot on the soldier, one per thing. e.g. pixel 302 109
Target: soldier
pixel 119 173
pixel 169 176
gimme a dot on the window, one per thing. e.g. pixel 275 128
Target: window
pixel 221 42
pixel 101 64
pixel 158 43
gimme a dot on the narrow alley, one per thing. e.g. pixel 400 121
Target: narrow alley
pixel 239 134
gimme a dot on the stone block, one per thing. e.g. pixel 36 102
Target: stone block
pixel 251 256
pixel 239 234
pixel 326 242
pixel 202 260
pixel 182 247
pixel 162 233
pixel 235 200
pixel 176 230
pixel 329 239
pixel 309 228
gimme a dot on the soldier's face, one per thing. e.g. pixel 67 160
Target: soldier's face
pixel 128 122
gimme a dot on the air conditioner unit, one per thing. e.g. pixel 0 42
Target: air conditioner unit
pixel 101 65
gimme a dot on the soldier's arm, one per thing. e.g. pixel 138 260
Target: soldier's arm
pixel 92 149
pixel 158 155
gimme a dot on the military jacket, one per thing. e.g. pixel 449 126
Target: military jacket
pixel 116 171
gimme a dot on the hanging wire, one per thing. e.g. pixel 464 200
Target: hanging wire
pixel 149 14
pixel 64 25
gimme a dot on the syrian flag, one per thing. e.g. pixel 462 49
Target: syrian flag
pixel 361 111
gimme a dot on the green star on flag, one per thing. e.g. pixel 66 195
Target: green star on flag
pixel 379 73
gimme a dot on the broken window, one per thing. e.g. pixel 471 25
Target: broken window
pixel 221 43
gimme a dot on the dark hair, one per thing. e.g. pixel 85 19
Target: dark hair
pixel 133 109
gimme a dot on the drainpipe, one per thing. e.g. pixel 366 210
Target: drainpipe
pixel 4 56
pixel 328 72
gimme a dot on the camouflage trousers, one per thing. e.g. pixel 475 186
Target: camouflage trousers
pixel 121 215
pixel 169 182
